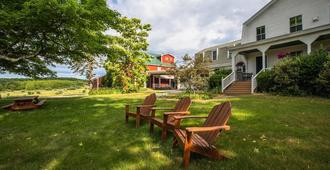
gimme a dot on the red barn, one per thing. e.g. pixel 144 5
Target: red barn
pixel 159 78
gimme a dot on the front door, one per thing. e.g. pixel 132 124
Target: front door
pixel 258 64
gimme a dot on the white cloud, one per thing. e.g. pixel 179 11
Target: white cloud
pixel 186 26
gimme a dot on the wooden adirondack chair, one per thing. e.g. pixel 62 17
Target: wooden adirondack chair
pixel 169 123
pixel 200 139
pixel 142 111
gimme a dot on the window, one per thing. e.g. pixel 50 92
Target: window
pixel 261 33
pixel 214 55
pixel 296 23
pixel 295 53
pixel 229 54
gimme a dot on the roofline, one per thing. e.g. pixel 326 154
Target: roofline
pixel 283 37
pixel 220 45
pixel 263 9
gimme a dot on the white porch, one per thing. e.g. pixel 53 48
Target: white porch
pixel 257 56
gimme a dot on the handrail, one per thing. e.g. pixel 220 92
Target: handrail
pixel 225 82
pixel 254 83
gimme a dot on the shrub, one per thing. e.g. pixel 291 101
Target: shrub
pixel 216 77
pixel 324 80
pixel 102 91
pixel 301 75
pixel 265 81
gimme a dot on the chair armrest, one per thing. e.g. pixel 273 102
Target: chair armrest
pixel 188 117
pixel 176 113
pixel 206 129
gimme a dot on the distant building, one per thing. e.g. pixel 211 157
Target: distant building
pixel 158 77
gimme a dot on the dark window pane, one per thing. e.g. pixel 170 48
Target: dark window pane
pixel 299 27
pixel 299 19
pixel 292 22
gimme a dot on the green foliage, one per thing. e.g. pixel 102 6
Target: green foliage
pixel 38 33
pixel 127 64
pixel 324 80
pixel 265 81
pixel 42 84
pixel 302 75
pixel 194 73
pixel 103 91
pixel 216 77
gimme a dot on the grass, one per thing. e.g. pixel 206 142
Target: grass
pixel 267 132
pixel 46 93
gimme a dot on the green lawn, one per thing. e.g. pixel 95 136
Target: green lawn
pixel 267 132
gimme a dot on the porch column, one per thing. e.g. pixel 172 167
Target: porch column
pixel 170 83
pixel 263 59
pixel 308 40
pixel 153 82
pixel 263 50
pixel 233 60
pixel 309 48
pixel 159 80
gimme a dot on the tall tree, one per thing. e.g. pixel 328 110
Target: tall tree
pixel 35 34
pixel 193 73
pixel 127 63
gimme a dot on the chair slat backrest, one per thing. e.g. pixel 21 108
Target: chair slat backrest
pixel 181 106
pixel 218 116
pixel 149 100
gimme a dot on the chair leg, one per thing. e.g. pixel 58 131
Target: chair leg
pixel 151 127
pixel 126 118
pixel 175 142
pixel 164 133
pixel 137 125
pixel 186 156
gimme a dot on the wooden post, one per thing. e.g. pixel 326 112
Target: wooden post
pixel 153 81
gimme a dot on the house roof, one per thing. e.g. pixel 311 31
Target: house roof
pixel 262 10
pixel 229 44
pixel 156 61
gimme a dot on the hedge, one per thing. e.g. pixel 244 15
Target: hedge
pixel 301 75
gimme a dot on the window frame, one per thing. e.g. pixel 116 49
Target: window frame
pixel 295 25
pixel 261 33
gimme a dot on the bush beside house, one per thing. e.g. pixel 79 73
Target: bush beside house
pixel 216 77
pixel 302 75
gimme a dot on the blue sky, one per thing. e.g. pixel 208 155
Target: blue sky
pixel 183 26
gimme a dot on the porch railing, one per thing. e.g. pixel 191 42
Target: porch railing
pixel 254 83
pixel 225 82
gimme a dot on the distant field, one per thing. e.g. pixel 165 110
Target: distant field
pixel 42 84
pixel 43 87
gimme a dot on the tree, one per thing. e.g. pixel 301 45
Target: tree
pixel 194 73
pixel 35 34
pixel 86 67
pixel 127 63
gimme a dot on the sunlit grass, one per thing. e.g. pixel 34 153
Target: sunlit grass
pixel 267 132
pixel 46 93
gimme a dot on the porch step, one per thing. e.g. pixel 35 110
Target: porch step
pixel 239 87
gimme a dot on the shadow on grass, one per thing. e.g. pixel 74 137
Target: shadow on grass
pixel 90 133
